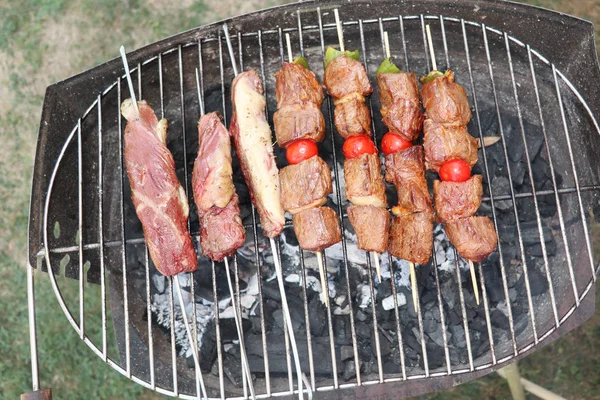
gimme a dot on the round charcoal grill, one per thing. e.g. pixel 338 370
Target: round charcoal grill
pixel 531 76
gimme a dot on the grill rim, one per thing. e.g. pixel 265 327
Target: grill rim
pixel 484 370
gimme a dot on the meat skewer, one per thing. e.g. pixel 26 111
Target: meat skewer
pixel 145 149
pixel 411 234
pixel 221 229
pixel 452 151
pixel 306 182
pixel 347 83
pixel 252 139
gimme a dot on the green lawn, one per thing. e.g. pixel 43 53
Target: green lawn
pixel 48 40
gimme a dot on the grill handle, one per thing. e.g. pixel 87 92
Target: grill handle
pixel 43 394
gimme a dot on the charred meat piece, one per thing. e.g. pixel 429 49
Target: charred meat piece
pixel 298 121
pixel 160 202
pixel 445 101
pixel 296 84
pixel 352 117
pixel 212 174
pixel 445 142
pixel 252 138
pixel 317 228
pixel 400 105
pixel 474 238
pixel 345 76
pixel 372 226
pixel 405 170
pixel 364 183
pixel 305 185
pixel 221 230
pixel 456 200
pixel 411 237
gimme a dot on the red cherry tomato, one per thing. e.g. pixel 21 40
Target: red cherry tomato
pixel 301 150
pixel 392 143
pixel 455 171
pixel 355 146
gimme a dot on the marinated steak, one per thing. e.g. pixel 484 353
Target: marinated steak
pixel 411 237
pixel 445 142
pixel 317 228
pixel 305 185
pixel 405 170
pixel 400 105
pixel 297 85
pixel 221 230
pixel 298 121
pixel 372 226
pixel 474 238
pixel 364 183
pixel 345 76
pixel 445 101
pixel 352 117
pixel 456 200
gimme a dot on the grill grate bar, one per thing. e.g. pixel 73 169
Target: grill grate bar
pixel 338 193
pixel 80 231
pixel 488 179
pixel 100 230
pixel 575 176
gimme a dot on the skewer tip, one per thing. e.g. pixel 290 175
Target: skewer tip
pixel 413 282
pixel 474 279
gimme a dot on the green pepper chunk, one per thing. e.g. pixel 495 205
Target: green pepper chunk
pixel 334 53
pixel 434 74
pixel 387 66
pixel 301 61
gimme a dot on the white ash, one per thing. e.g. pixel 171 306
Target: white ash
pixel 444 252
pixel 388 302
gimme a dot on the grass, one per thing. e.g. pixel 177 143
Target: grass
pixel 43 41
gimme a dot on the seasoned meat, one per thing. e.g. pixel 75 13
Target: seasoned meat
pixel 221 230
pixel 405 170
pixel 411 237
pixel 455 200
pixel 445 101
pixel 345 76
pixel 317 228
pixel 252 138
pixel 305 185
pixel 372 226
pixel 352 117
pixel 297 85
pixel 160 201
pixel 444 142
pixel 211 177
pixel 474 237
pixel 298 121
pixel 364 183
pixel 400 105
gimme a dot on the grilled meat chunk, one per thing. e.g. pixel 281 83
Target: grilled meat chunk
pixel 364 183
pixel 160 202
pixel 445 101
pixel 297 85
pixel 352 117
pixel 305 185
pixel 446 142
pixel 372 226
pixel 212 174
pixel 317 228
pixel 405 170
pixel 456 200
pixel 345 76
pixel 221 230
pixel 298 121
pixel 411 237
pixel 400 105
pixel 474 238
pixel 252 138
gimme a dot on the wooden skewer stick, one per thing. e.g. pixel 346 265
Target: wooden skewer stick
pixel 322 273
pixel 413 274
pixel 434 65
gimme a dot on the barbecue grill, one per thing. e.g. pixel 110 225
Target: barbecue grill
pixel 531 76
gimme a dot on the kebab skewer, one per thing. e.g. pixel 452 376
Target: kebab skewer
pixel 347 83
pixel 451 151
pixel 252 139
pixel 160 201
pixel 306 182
pixel 221 228
pixel 411 232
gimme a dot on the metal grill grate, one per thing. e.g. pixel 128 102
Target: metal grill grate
pixel 480 55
